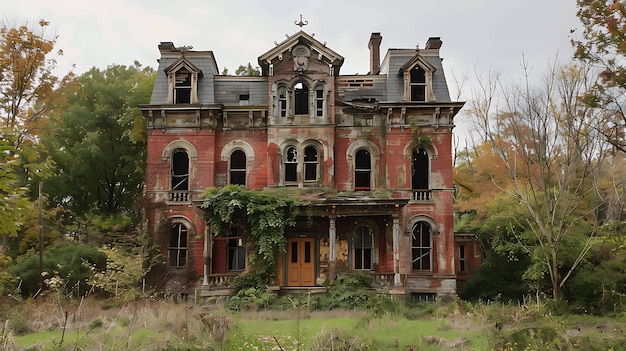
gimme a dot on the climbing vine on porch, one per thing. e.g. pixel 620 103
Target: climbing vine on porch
pixel 261 215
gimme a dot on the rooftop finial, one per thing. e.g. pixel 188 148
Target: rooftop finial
pixel 301 24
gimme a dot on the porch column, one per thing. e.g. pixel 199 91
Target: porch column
pixel 206 255
pixel 332 234
pixel 396 251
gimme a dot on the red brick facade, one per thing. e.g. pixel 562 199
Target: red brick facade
pixel 302 125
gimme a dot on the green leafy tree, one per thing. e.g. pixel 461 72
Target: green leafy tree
pixel 261 215
pixel 248 71
pixel 97 142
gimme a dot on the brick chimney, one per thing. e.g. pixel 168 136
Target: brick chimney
pixel 434 43
pixel 374 46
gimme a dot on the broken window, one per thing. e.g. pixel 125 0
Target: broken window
pixel 362 170
pixel 419 170
pixel 363 245
pixel 177 250
pixel 291 164
pixel 421 246
pixel 182 87
pixel 301 99
pixel 180 170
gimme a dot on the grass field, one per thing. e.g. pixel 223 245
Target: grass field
pixel 164 325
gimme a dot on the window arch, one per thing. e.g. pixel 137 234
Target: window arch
pixel 237 168
pixel 311 161
pixel 301 98
pixel 362 170
pixel 363 248
pixel 290 165
pixel 177 248
pixel 421 246
pixel 180 170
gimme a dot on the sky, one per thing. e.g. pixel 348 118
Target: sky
pixel 479 36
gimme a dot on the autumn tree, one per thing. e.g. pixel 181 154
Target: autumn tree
pixel 28 84
pixel 547 155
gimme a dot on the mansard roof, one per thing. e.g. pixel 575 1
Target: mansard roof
pixel 323 52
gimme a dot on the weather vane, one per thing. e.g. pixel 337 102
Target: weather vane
pixel 301 24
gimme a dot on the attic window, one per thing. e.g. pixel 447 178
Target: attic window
pixel 182 88
pixel 418 84
pixel 244 97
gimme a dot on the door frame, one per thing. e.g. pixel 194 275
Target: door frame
pixel 300 266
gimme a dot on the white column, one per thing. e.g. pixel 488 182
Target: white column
pixel 205 256
pixel 396 251
pixel 332 239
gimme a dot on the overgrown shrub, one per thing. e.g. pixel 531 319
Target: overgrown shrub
pixel 250 293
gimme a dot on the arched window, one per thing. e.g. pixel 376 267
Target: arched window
pixel 238 168
pixel 311 160
pixel 421 246
pixel 301 99
pixel 177 249
pixel 418 84
pixel 362 170
pixel 282 102
pixel 291 164
pixel 180 170
pixel 420 173
pixel 363 248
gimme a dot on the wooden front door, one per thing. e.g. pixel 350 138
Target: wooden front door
pixel 300 262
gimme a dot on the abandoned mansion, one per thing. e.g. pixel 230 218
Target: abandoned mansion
pixel 378 146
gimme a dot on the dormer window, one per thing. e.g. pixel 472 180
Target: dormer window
pixel 182 88
pixel 183 82
pixel 418 84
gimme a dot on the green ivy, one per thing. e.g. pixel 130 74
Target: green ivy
pixel 261 215
pixel 419 139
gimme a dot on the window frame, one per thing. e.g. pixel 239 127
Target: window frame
pixel 182 185
pixel 418 81
pixel 421 252
pixel 308 164
pixel 179 247
pixel 238 171
pixel 301 98
pixel 360 172
pixel 290 164
pixel 361 253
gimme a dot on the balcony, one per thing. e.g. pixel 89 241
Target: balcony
pixel 180 196
pixel 421 195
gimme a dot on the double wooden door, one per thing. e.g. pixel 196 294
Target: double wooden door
pixel 300 262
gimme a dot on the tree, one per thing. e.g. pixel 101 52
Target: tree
pixel 97 142
pixel 547 154
pixel 244 71
pixel 29 88
pixel 603 44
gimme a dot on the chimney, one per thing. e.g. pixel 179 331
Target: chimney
pixel 167 46
pixel 434 43
pixel 374 46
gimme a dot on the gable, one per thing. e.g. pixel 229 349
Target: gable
pixel 299 53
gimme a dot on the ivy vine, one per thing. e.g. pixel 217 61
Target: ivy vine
pixel 419 139
pixel 261 215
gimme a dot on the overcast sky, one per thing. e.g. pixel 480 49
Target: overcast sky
pixel 478 35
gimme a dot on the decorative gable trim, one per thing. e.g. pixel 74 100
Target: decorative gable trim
pixel 182 64
pixel 405 71
pixel 314 47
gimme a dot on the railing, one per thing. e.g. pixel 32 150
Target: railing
pixel 180 196
pixel 421 195
pixel 221 280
